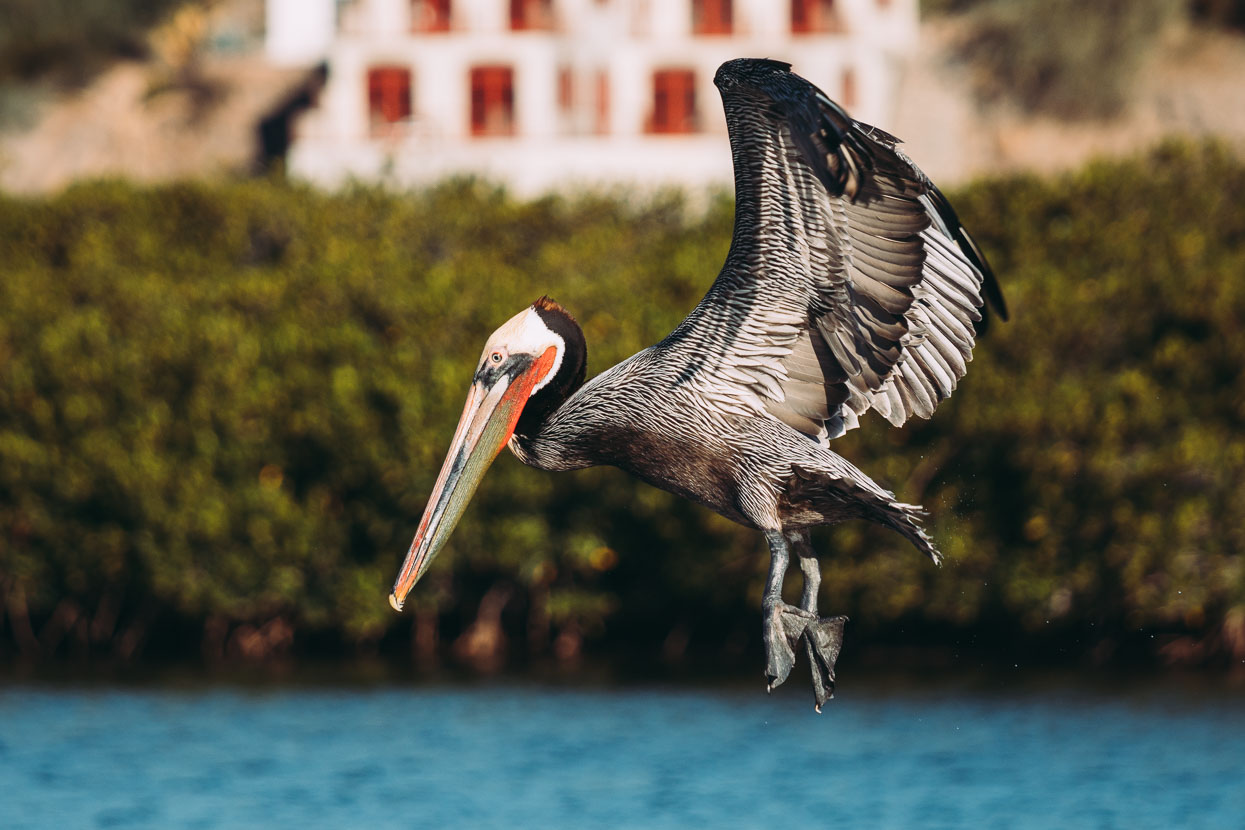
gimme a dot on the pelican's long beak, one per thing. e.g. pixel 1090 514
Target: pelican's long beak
pixel 488 420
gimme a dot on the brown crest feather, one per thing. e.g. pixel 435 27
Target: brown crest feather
pixel 547 303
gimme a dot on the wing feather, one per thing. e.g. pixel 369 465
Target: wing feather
pixel 850 284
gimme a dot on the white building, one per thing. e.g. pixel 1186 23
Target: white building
pixel 542 93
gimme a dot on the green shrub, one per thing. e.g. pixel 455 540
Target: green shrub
pixel 223 406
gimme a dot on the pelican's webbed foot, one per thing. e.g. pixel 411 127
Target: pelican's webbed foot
pixel 822 640
pixel 784 626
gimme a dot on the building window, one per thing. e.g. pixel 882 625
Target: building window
pixel 712 17
pixel 430 15
pixel 388 96
pixel 529 15
pixel 815 17
pixel 492 100
pixel 674 101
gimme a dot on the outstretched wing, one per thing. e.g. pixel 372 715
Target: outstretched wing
pixel 850 284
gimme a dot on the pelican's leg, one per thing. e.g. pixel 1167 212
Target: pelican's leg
pixel 782 624
pixel 823 637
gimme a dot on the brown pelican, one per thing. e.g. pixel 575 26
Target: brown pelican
pixel 850 285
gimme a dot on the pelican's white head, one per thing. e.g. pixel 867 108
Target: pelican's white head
pixel 519 360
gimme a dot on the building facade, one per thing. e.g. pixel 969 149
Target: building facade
pixel 540 94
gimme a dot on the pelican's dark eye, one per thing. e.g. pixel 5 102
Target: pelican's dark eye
pixel 495 357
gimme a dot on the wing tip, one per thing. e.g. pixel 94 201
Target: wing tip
pixel 992 292
pixel 749 70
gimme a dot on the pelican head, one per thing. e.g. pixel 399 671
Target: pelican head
pixel 519 360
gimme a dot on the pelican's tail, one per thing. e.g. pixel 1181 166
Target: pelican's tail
pixel 906 519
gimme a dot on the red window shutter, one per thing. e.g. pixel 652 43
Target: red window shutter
pixel 566 89
pixel 526 15
pixel 674 101
pixel 430 15
pixel 802 16
pixel 712 17
pixel 492 100
pixel 849 88
pixel 661 105
pixel 688 110
pixel 388 94
pixel 814 17
pixel 603 103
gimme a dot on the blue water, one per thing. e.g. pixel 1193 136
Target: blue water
pixel 521 756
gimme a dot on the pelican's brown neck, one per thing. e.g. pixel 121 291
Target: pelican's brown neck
pixel 570 373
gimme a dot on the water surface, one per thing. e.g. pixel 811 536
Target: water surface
pixel 523 756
